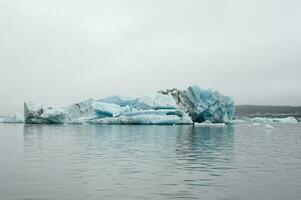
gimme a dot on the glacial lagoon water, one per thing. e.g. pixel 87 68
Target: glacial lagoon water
pixel 43 162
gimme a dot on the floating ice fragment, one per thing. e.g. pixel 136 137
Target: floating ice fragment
pixel 237 121
pixel 12 118
pixel 210 124
pixel 268 126
pixel 273 120
pixel 255 124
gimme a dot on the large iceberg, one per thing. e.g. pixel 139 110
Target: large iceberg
pixel 164 107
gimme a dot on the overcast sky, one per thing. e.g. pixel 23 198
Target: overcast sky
pixel 63 51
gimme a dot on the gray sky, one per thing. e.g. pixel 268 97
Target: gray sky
pixel 63 51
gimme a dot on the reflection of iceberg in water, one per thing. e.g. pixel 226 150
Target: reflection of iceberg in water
pixel 206 145
pixel 206 156
pixel 194 142
pixel 112 158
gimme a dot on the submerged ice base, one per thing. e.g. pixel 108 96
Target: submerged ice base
pixel 164 107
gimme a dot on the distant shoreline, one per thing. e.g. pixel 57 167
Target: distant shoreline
pixel 267 111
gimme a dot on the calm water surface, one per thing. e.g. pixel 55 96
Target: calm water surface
pixel 149 162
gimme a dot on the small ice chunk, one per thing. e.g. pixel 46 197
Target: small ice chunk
pixel 207 123
pixel 268 126
pixel 12 118
pixel 273 120
pixel 237 121
pixel 255 124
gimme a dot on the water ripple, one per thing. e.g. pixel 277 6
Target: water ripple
pixel 149 162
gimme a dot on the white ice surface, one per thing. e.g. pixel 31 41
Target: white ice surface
pixel 12 118
pixel 199 105
pixel 273 120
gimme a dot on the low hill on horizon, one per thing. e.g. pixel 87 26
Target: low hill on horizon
pixel 267 111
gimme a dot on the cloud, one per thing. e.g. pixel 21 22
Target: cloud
pixel 64 51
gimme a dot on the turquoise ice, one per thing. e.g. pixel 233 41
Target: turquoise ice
pixel 174 106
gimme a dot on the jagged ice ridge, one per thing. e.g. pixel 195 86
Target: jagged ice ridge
pixel 173 106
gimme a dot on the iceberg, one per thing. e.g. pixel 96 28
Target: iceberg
pixel 12 118
pixel 194 105
pixel 273 120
